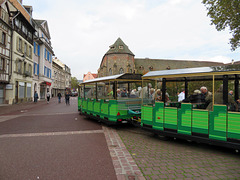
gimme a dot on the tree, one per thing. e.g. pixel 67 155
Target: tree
pixel 223 14
pixel 74 82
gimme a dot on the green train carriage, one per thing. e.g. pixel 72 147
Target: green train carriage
pixel 216 123
pixel 98 98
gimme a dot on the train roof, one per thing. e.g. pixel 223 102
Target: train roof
pixel 191 72
pixel 117 77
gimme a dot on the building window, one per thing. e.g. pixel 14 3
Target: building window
pixel 19 67
pixel 30 69
pixel 3 40
pixel 25 48
pixel 121 71
pixel 150 68
pixel 2 64
pixel 121 47
pixel 25 67
pixel 17 22
pixel 141 67
pixel 30 52
pixel 112 47
pixel 110 71
pixel 20 44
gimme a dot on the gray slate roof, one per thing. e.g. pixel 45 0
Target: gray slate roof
pixel 119 47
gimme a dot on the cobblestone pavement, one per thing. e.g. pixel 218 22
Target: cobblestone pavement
pixel 124 165
pixel 158 158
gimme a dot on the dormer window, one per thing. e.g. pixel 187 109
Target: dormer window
pixel 112 47
pixel 121 47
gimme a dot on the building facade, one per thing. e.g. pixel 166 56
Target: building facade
pixel 22 60
pixel 5 49
pixel 67 71
pixel 89 76
pixel 58 77
pixel 42 57
pixel 61 77
pixel 119 59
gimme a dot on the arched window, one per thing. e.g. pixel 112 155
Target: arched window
pixel 121 71
pixel 150 68
pixel 110 71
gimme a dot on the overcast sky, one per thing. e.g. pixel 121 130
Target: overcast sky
pixel 82 31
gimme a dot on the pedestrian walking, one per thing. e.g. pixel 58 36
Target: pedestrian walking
pixel 48 97
pixel 59 97
pixel 67 98
pixel 35 97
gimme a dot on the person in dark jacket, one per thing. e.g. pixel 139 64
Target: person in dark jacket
pixel 59 97
pixel 35 96
pixel 67 98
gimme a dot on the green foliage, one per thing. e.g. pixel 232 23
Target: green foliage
pixel 74 83
pixel 223 14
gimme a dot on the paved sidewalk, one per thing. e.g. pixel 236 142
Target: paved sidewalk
pixel 178 159
pixel 20 108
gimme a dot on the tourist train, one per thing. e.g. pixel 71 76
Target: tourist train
pixel 170 102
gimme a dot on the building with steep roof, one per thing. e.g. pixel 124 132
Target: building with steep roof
pixel 89 76
pixel 119 59
pixel 42 57
pixel 22 59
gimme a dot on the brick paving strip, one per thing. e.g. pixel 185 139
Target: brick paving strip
pixel 9 117
pixel 50 133
pixel 124 165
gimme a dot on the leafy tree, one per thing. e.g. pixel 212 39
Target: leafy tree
pixel 223 14
pixel 74 82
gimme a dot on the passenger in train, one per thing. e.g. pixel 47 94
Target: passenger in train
pixel 151 93
pixel 218 99
pixel 158 95
pixel 206 96
pixel 124 93
pixel 138 91
pixel 195 97
pixel 145 91
pixel 118 93
pixel 181 96
pixel 110 92
pixel 133 94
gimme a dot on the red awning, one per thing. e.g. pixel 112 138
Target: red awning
pixel 47 83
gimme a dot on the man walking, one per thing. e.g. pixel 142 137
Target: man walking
pixel 59 97
pixel 67 97
pixel 48 96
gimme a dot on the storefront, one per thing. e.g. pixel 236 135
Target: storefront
pixel 44 88
pixel 23 91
